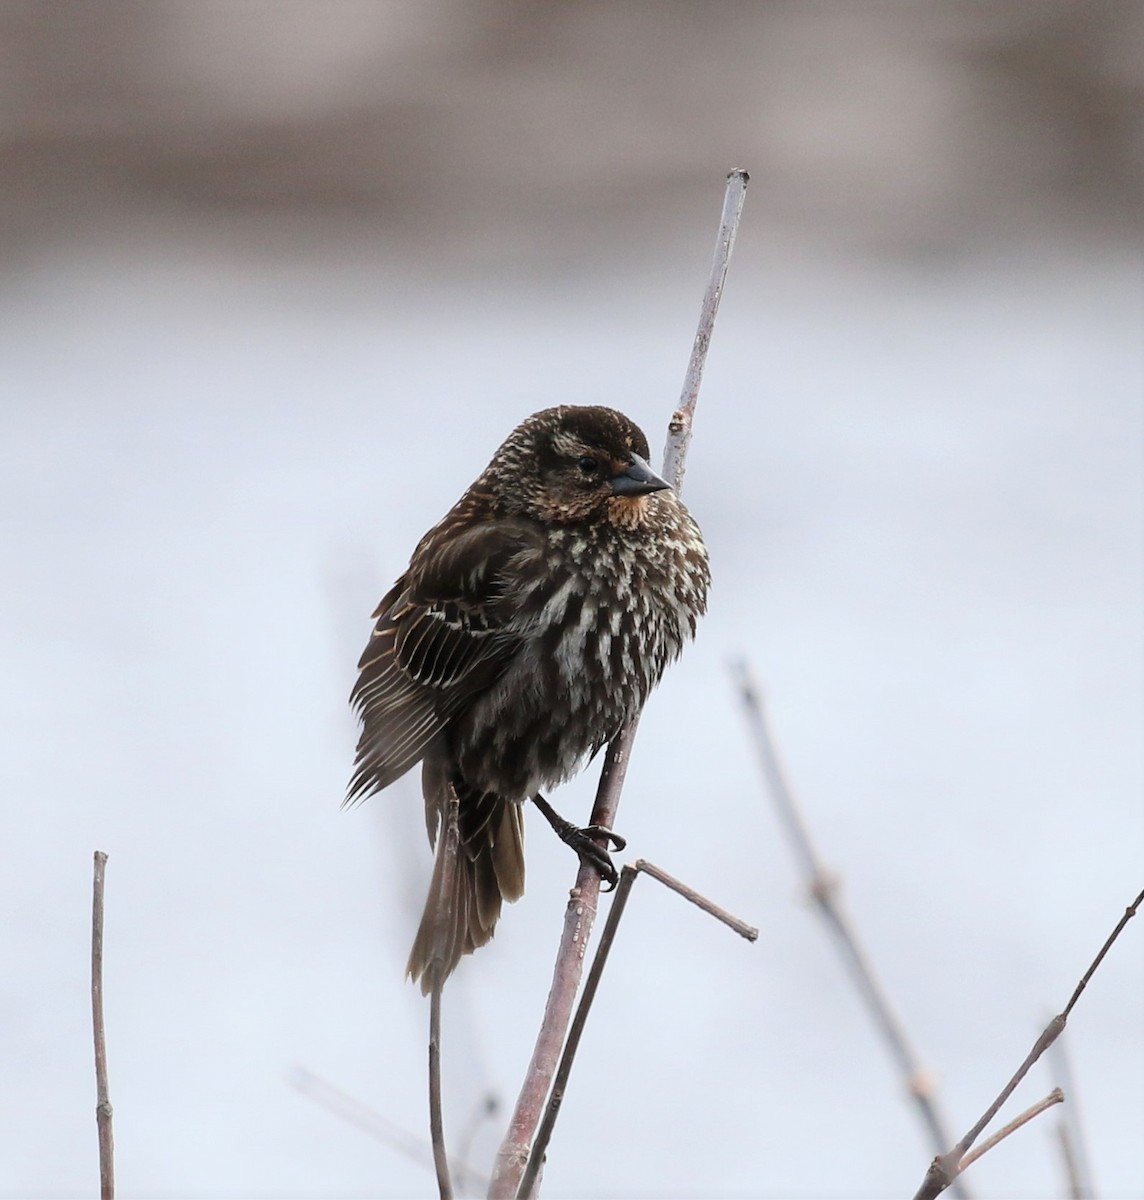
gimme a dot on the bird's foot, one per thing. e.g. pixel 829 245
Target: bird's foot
pixel 582 840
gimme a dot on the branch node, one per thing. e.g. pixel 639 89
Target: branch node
pixel 824 887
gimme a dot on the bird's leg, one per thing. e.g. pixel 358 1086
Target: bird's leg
pixel 581 841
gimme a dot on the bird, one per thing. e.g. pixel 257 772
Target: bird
pixel 529 628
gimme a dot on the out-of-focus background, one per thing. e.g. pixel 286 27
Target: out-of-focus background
pixel 275 280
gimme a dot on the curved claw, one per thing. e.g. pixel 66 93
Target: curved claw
pixel 581 841
pixel 602 861
pixel 602 831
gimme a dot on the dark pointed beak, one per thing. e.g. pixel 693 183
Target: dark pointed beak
pixel 638 480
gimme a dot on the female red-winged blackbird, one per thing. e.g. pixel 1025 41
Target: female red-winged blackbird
pixel 531 625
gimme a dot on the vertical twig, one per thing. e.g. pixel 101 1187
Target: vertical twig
pixel 512 1157
pixel 822 886
pixel 556 1098
pixel 579 916
pixel 450 841
pixel 102 1095
pixel 679 430
pixel 599 962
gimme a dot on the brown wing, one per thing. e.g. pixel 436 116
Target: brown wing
pixel 444 632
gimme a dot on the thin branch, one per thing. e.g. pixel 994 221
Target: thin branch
pixel 579 916
pixel 679 429
pixel 823 887
pixel 935 1176
pixel 1129 913
pixel 946 1167
pixel 530 1177
pixel 450 842
pixel 512 1157
pixel 102 1095
pixel 607 938
pixel 355 1112
pixel 1048 1035
pixel 1056 1096
pixel 700 901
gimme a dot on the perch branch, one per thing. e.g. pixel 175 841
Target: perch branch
pixel 530 1176
pixel 102 1095
pixel 599 962
pixel 823 887
pixel 679 428
pixel 946 1167
pixel 512 1157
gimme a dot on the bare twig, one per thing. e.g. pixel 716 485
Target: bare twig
pixel 579 916
pixel 530 1176
pixel 679 429
pixel 939 1167
pixel 619 903
pixel 700 901
pixel 351 1109
pixel 946 1167
pixel 450 841
pixel 512 1157
pixel 1129 913
pixel 102 1095
pixel 1056 1096
pixel 823 888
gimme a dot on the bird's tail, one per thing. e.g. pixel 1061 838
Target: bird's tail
pixel 461 913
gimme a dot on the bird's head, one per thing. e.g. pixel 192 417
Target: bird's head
pixel 575 464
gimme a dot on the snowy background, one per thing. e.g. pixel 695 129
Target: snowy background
pixel 276 279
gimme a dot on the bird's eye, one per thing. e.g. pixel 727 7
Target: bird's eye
pixel 588 464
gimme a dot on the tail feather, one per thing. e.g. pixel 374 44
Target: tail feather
pixel 489 870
